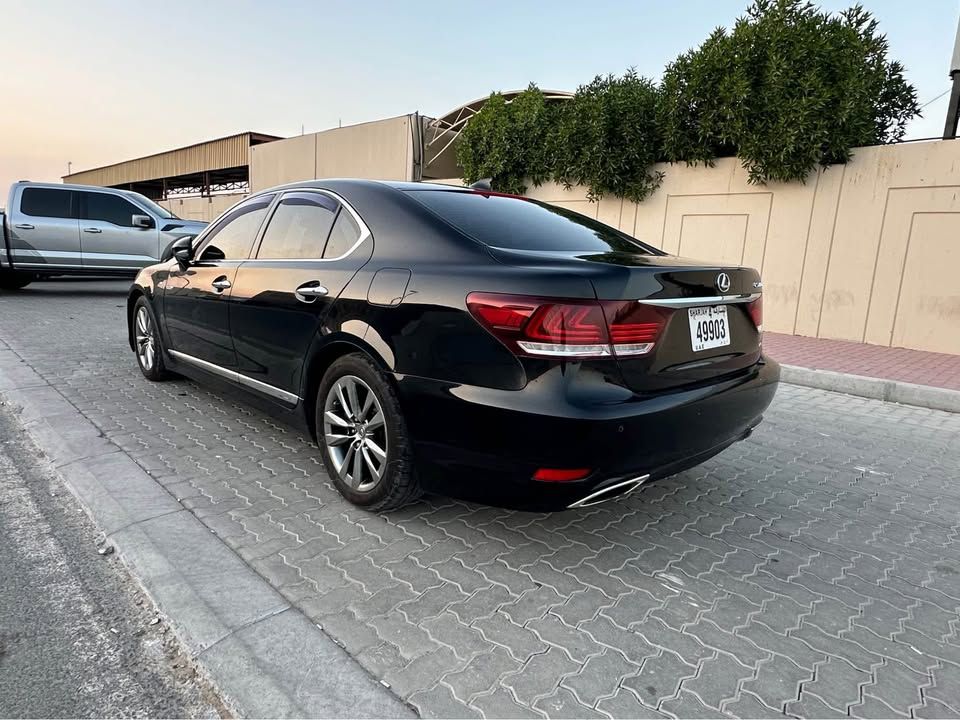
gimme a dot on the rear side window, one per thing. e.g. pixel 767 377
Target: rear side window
pixel 109 208
pixel 343 236
pixel 44 202
pixel 521 224
pixel 299 227
pixel 233 235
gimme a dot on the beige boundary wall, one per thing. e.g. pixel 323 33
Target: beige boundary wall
pixel 868 252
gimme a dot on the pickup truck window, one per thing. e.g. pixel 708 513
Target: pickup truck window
pixel 108 208
pixel 46 202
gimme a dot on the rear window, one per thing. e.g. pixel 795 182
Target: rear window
pixel 521 224
pixel 44 202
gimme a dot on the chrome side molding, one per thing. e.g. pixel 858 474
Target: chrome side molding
pixel 238 378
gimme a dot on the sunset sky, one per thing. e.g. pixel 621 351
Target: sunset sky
pixel 99 81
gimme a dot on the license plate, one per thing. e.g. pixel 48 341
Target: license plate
pixel 709 327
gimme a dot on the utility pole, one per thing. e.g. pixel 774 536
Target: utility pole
pixel 953 109
pixel 69 166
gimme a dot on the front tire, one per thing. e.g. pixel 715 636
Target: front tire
pixel 146 342
pixel 363 436
pixel 14 280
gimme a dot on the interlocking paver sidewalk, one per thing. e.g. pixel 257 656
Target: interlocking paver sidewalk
pixel 887 363
pixel 813 569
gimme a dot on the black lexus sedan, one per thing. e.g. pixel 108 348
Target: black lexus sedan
pixel 483 345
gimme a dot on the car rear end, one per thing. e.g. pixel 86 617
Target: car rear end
pixel 660 369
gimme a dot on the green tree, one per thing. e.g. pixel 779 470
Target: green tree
pixel 789 88
pixel 607 138
pixel 507 142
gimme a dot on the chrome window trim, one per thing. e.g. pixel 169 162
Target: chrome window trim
pixel 201 238
pixel 698 301
pixel 364 230
pixel 237 377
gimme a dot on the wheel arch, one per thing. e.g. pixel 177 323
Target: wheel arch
pixel 321 357
pixel 136 292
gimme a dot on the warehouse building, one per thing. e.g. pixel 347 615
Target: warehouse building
pixel 201 181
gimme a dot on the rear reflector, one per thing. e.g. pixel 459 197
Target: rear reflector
pixel 552 327
pixel 560 475
pixel 756 312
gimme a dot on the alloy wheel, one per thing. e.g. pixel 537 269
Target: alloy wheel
pixel 146 346
pixel 354 433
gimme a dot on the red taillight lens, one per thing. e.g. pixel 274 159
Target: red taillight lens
pixel 568 328
pixel 756 312
pixel 560 474
pixel 634 327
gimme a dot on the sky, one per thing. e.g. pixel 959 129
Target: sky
pixel 101 81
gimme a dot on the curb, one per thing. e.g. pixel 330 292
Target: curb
pixel 261 653
pixel 924 396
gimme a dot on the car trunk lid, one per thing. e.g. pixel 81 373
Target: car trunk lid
pixel 707 314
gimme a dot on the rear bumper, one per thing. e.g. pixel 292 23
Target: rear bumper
pixel 485 444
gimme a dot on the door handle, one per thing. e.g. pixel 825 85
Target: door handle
pixel 221 283
pixel 23 226
pixel 92 230
pixel 308 292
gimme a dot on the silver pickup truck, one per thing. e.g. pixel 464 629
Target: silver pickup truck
pixel 50 230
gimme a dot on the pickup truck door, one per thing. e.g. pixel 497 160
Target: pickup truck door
pixel 43 230
pixel 108 238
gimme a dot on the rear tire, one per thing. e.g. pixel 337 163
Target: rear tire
pixel 146 342
pixel 15 280
pixel 363 436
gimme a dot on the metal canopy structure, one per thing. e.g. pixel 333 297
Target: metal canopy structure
pixel 215 166
pixel 443 132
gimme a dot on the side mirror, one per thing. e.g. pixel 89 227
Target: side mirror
pixel 142 221
pixel 181 249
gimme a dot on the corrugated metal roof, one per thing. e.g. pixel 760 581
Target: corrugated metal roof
pixel 219 154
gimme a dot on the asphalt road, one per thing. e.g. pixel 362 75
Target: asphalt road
pixel 76 638
pixel 812 570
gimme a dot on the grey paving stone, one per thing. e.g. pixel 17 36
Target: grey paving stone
pixel 659 678
pixel 796 548
pixel 600 677
pixel 501 704
pixel 520 641
pixel 540 675
pixel 482 674
pixel 562 704
pixel 440 702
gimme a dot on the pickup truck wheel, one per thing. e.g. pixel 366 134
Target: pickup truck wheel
pixel 13 280
pixel 146 340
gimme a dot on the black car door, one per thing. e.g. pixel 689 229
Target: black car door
pixel 312 246
pixel 195 297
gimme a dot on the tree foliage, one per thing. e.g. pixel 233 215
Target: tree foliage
pixel 789 88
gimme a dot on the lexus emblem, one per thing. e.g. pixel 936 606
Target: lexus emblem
pixel 723 282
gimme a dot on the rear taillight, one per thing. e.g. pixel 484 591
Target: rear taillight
pixel 755 309
pixel 568 328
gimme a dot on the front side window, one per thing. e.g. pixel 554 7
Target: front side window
pixel 233 236
pixel 299 227
pixel 46 202
pixel 109 208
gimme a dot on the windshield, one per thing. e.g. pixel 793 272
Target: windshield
pixel 158 210
pixel 517 223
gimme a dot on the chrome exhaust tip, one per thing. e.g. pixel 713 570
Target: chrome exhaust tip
pixel 609 492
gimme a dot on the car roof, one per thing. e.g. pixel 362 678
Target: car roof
pixel 346 184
